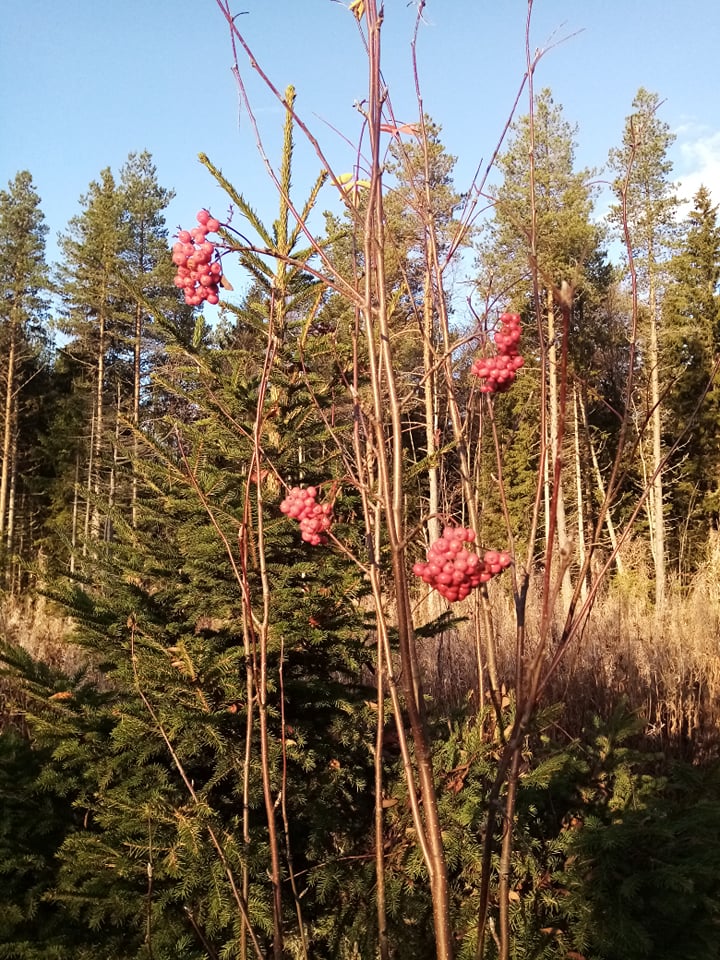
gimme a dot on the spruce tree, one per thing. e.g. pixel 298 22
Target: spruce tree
pixel 222 762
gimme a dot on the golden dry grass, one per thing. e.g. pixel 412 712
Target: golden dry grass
pixel 666 667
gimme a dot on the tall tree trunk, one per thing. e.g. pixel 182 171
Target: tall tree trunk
pixel 8 425
pixel 12 555
pixel 546 482
pixel 137 358
pixel 601 488
pixel 579 486
pixel 98 430
pixel 431 415
pixel 657 455
pixel 89 483
pixel 380 896
pixel 431 420
pixel 112 485
pixel 555 451
pixel 76 501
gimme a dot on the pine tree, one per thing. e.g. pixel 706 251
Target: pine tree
pixel 420 220
pixel 222 765
pixel 148 274
pixel 691 327
pixel 93 299
pixel 115 273
pixel 164 761
pixel 541 229
pixel 646 207
pixel 23 306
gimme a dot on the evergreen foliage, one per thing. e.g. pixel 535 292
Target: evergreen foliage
pixel 691 321
pixel 248 763
pixel 24 357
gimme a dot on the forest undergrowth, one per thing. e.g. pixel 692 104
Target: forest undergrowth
pixel 347 628
pixel 664 669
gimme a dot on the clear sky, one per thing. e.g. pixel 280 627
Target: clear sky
pixel 85 82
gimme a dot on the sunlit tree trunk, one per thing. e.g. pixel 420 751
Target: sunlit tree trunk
pixel 658 543
pixel 75 511
pixel 579 491
pixel 8 424
pixel 600 483
pixel 431 421
pixel 137 375
pixel 89 483
pixel 13 568
pixel 113 480
pixel 98 428
pixel 555 451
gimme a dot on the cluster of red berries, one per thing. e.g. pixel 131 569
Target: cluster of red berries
pixel 454 571
pixel 198 274
pixel 499 372
pixel 314 517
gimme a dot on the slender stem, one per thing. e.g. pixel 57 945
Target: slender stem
pixel 383 945
pixel 506 855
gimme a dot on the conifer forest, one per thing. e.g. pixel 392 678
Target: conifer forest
pixel 370 609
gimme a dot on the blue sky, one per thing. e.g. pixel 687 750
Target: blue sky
pixel 85 82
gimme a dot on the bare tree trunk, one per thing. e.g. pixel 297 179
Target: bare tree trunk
pixel 251 698
pixel 387 411
pixel 89 485
pixel 8 426
pixel 546 483
pixel 10 526
pixel 431 421
pixel 601 489
pixel 12 490
pixel 579 488
pixel 555 451
pixel 380 899
pixel 137 358
pixel 74 526
pixel 112 485
pixel 657 456
pixel 98 430
pixel 431 416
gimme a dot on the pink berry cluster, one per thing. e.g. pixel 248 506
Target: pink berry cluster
pixel 499 372
pixel 314 517
pixel 198 274
pixel 454 571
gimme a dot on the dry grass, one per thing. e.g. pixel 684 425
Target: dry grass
pixel 38 627
pixel 666 667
